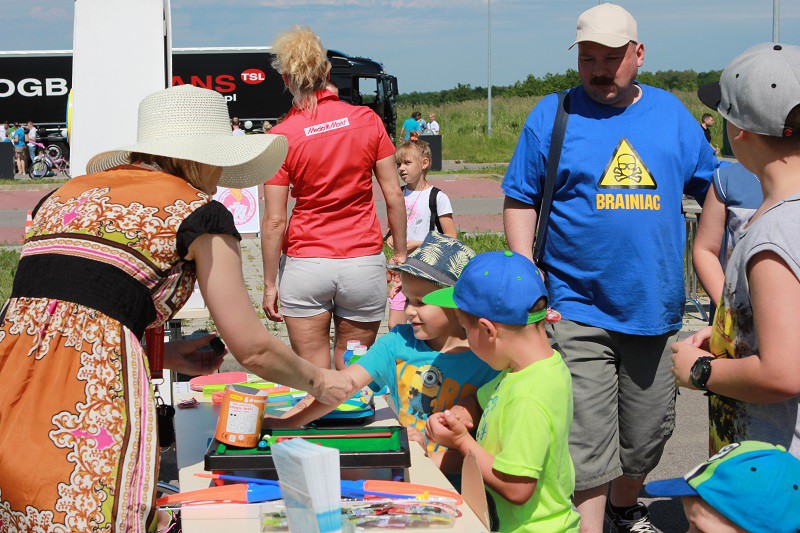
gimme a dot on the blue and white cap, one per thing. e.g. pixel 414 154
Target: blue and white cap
pixel 753 484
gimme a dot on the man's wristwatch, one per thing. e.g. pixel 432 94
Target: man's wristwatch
pixel 701 371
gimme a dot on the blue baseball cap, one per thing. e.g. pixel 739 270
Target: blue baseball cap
pixel 499 286
pixel 753 484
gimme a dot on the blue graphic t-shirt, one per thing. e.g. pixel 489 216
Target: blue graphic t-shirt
pixel 422 381
pixel 410 124
pixel 614 249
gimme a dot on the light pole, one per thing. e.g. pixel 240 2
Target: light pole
pixel 776 9
pixel 489 12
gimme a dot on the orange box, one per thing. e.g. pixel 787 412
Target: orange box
pixel 241 415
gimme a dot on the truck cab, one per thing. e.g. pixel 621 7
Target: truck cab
pixel 255 91
pixel 362 81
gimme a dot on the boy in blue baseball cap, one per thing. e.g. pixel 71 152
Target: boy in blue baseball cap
pixel 526 412
pixel 748 486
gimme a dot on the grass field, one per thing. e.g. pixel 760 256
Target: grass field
pixel 32 182
pixel 463 126
pixel 479 242
pixel 8 267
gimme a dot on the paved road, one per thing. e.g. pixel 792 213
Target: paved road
pixel 477 203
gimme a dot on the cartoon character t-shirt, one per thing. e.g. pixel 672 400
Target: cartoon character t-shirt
pixel 422 381
pixel 614 249
pixel 734 334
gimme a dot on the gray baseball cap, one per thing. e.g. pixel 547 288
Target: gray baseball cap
pixel 758 90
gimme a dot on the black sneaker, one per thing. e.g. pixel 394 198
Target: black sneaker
pixel 634 519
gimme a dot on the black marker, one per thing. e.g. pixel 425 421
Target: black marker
pixel 217 345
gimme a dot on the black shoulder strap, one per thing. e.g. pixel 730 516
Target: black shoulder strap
pixel 435 224
pixel 553 157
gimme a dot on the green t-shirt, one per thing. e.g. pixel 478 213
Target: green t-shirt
pixel 525 425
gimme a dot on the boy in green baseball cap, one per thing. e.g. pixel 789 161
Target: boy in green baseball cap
pixel 521 443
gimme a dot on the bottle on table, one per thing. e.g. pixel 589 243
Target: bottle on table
pixel 348 354
pixel 358 352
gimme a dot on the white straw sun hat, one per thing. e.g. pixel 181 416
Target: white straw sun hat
pixel 188 122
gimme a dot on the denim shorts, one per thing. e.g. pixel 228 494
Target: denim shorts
pixel 353 288
pixel 624 400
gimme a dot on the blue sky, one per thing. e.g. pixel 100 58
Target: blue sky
pixel 435 44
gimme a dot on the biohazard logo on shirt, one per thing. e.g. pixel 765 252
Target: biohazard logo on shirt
pixel 626 170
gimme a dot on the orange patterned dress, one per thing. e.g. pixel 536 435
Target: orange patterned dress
pixel 103 261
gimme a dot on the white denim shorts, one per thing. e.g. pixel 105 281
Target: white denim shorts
pixel 353 288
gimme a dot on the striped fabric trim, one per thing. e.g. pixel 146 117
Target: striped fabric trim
pixel 103 252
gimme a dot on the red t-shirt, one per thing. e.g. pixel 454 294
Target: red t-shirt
pixel 331 157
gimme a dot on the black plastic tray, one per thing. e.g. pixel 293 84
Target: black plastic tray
pixel 261 461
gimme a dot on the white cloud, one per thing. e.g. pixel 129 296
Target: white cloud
pixel 49 14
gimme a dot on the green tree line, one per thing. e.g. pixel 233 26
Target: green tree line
pixel 671 80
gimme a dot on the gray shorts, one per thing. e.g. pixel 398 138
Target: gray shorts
pixel 353 288
pixel 624 400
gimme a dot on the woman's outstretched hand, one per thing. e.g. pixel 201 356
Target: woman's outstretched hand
pixel 334 387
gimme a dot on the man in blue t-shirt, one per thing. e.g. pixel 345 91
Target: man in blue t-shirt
pixel 411 124
pixel 613 256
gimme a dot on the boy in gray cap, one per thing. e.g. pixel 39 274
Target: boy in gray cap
pixel 748 359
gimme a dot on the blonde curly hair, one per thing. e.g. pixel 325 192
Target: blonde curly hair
pixel 301 58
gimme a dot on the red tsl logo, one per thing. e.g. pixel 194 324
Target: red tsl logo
pixel 253 76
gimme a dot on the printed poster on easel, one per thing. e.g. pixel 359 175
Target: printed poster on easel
pixel 243 205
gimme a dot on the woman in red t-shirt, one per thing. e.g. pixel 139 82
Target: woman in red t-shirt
pixel 329 261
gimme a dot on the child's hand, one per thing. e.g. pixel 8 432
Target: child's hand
pixel 700 338
pixel 445 429
pixel 397 285
pixel 683 357
pixel 416 435
pixel 390 242
pixel 463 415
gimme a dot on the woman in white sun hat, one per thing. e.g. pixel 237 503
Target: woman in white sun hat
pixel 109 255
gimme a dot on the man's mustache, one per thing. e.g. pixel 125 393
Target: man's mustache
pixel 602 80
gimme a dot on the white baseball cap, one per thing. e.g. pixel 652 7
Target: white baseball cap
pixel 758 90
pixel 607 24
